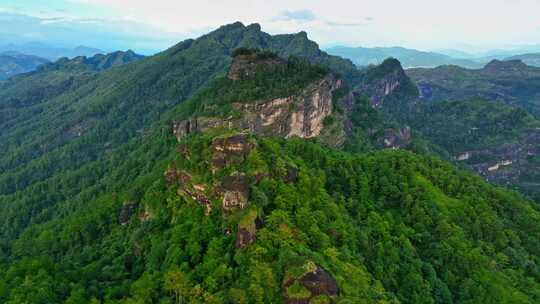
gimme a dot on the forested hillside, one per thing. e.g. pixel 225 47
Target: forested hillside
pixel 486 119
pixel 66 120
pixel 214 172
pixel 226 217
pixel 512 82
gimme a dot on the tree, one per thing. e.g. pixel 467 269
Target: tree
pixel 177 282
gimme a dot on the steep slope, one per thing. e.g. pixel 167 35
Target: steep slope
pixel 497 141
pixel 371 107
pixel 62 121
pixel 510 81
pixel 387 84
pixel 12 63
pixel 409 58
pixel 267 96
pixel 227 215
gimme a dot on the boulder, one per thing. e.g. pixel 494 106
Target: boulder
pixel 247 229
pixel 235 192
pixel 292 174
pixel 314 283
pixel 127 210
pixel 227 149
pixel 395 139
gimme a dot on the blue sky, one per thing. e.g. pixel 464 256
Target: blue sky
pixel 70 23
pixel 152 25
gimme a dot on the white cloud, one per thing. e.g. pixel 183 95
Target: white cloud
pixel 413 23
pixel 300 15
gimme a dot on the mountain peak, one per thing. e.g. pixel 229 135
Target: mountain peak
pixel 254 26
pixel 303 34
pixel 392 63
pixel 382 81
pixel 387 67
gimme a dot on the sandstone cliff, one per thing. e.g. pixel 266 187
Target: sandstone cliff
pixel 386 80
pixel 300 115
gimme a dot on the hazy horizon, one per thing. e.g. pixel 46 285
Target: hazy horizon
pixel 149 27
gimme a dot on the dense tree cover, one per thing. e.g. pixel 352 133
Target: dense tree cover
pixel 510 81
pixel 484 131
pixel 471 124
pixel 97 62
pixel 391 227
pixel 491 130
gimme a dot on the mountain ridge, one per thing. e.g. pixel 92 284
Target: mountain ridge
pixel 13 63
pixel 410 58
pixel 49 52
pixel 532 59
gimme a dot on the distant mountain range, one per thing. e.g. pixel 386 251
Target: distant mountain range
pixel 50 52
pixel 12 63
pixel 97 62
pixel 411 58
pixel 532 59
pixel 511 81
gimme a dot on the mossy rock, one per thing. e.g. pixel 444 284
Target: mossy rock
pixel 298 292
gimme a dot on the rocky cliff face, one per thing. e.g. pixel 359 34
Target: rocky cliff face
pixel 395 139
pixel 508 163
pixel 300 115
pixel 386 79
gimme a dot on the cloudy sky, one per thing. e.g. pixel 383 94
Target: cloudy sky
pixel 151 25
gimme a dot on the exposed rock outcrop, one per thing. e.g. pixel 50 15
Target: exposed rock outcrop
pixel 187 188
pixel 228 149
pixel 235 190
pixel 128 209
pixel 384 80
pixel 292 174
pixel 505 164
pixel 247 229
pixel 395 139
pixel 299 115
pixel 315 283
pixel 196 192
